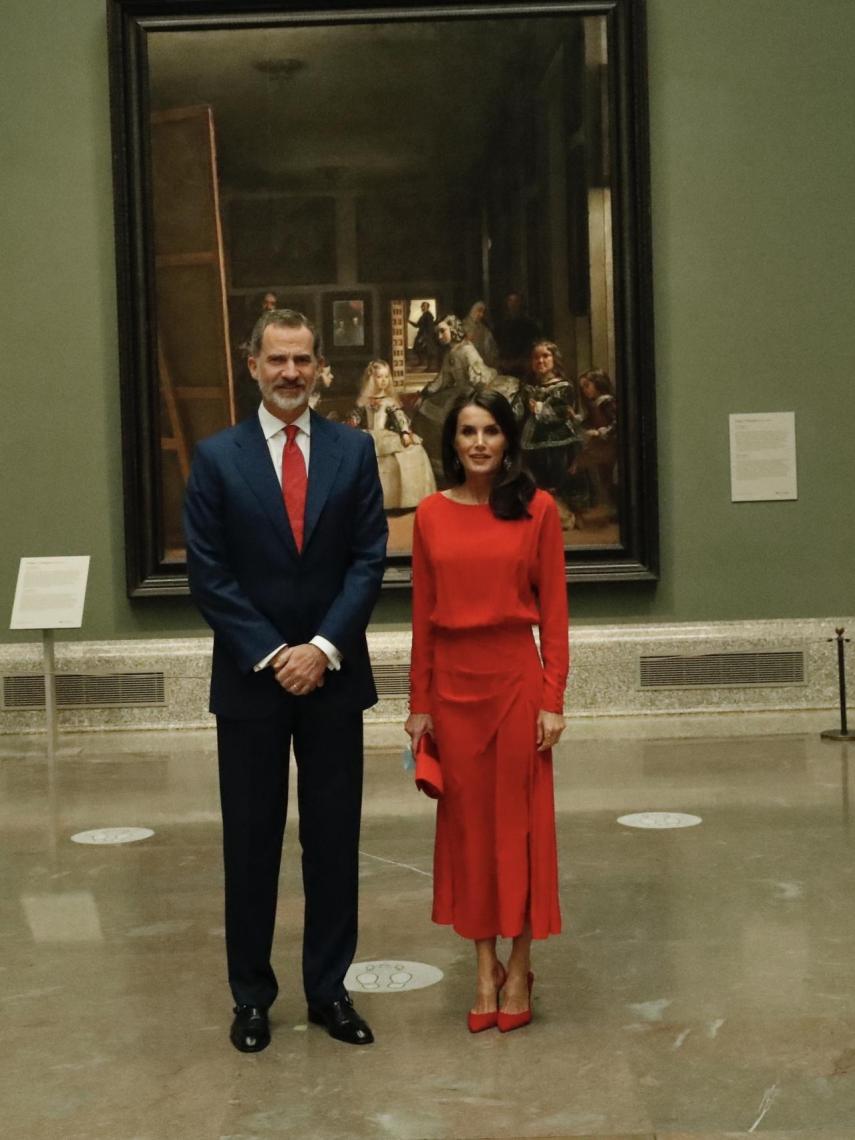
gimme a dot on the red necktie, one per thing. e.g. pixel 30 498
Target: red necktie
pixel 294 483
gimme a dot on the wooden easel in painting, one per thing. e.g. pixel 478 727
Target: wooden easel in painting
pixel 193 354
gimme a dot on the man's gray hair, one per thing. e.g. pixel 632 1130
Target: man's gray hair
pixel 285 318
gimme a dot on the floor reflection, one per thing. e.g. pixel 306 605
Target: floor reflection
pixel 705 982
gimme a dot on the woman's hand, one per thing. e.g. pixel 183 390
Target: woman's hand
pixel 417 725
pixel 550 725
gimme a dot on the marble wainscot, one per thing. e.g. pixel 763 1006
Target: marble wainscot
pixel 663 671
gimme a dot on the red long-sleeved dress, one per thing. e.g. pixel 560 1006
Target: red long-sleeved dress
pixel 479 585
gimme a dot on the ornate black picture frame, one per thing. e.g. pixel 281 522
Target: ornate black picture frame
pixel 328 155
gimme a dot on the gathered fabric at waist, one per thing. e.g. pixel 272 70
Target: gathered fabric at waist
pixel 487 649
pixel 487 683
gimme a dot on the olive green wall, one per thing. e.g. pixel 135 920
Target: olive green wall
pixel 753 166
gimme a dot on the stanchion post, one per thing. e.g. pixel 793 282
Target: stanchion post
pixel 843 732
pixel 841 672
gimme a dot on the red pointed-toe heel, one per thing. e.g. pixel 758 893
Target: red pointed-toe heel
pixel 508 1021
pixel 478 1022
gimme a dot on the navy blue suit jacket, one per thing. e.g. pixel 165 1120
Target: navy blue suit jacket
pixel 256 590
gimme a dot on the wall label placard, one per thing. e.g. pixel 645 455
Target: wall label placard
pixel 50 593
pixel 763 457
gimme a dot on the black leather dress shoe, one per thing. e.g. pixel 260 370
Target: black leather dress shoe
pixel 342 1022
pixel 250 1031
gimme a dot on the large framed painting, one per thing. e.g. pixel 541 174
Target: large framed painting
pixel 455 195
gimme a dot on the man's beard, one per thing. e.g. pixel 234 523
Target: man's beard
pixel 287 401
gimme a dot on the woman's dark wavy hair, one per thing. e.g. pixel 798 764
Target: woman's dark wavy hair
pixel 513 488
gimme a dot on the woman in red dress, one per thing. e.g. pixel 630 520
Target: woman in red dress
pixel 488 564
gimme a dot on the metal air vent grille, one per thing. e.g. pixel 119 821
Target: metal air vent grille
pixel 392 680
pixel 85 690
pixel 716 670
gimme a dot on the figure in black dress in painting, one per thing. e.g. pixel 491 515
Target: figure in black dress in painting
pixel 550 441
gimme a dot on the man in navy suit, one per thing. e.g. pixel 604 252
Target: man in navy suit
pixel 289 612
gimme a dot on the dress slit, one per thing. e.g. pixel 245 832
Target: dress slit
pixel 491 875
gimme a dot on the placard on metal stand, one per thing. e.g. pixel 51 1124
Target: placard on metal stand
pixel 50 595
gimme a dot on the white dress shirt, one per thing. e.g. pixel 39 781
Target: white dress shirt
pixel 274 434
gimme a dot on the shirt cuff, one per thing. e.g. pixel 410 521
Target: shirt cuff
pixel 329 650
pixel 265 661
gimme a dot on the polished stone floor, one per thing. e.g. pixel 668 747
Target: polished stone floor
pixel 704 986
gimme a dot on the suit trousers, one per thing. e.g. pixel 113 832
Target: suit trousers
pixel 253 766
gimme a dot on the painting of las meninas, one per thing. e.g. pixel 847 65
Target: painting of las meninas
pixel 457 198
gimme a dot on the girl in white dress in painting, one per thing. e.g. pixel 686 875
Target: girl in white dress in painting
pixel 405 470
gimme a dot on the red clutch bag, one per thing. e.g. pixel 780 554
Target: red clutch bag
pixel 428 774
